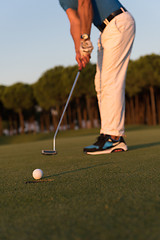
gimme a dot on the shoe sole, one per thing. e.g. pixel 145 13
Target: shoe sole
pixel 122 147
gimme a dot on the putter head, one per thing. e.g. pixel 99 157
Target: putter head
pixel 49 152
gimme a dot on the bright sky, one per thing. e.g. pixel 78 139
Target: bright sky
pixel 34 37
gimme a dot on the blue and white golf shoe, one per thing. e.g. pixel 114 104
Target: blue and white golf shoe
pixel 105 144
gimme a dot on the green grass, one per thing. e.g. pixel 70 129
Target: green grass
pixel 105 197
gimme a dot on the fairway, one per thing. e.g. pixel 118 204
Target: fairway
pixel 81 197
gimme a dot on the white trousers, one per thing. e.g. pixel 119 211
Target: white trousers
pixel 114 49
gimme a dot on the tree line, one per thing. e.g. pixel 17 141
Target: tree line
pixel 39 105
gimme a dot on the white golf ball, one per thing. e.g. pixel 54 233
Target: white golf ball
pixel 37 174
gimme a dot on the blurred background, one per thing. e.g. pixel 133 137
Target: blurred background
pixel 37 69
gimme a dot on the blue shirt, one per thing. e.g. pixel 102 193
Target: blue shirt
pixel 101 8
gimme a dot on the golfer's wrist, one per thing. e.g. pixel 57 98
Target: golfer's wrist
pixel 85 37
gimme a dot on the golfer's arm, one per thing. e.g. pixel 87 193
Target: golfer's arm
pixel 85 13
pixel 74 27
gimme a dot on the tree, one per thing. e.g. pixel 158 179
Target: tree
pixel 18 97
pixel 149 66
pixel 1 109
pixel 49 91
pixel 142 83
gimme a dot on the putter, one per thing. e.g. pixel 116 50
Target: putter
pixel 53 152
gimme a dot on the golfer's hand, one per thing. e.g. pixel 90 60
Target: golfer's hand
pixel 82 60
pixel 86 47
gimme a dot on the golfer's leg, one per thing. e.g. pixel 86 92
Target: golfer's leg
pixel 117 40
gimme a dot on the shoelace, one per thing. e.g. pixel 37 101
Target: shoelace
pixel 101 139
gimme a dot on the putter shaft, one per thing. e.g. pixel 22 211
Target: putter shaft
pixel 74 84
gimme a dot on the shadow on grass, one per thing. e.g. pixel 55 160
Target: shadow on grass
pixel 130 148
pixel 146 145
pixel 77 170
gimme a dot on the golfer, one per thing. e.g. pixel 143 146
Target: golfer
pixel 117 32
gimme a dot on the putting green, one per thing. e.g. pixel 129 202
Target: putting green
pixel 81 197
